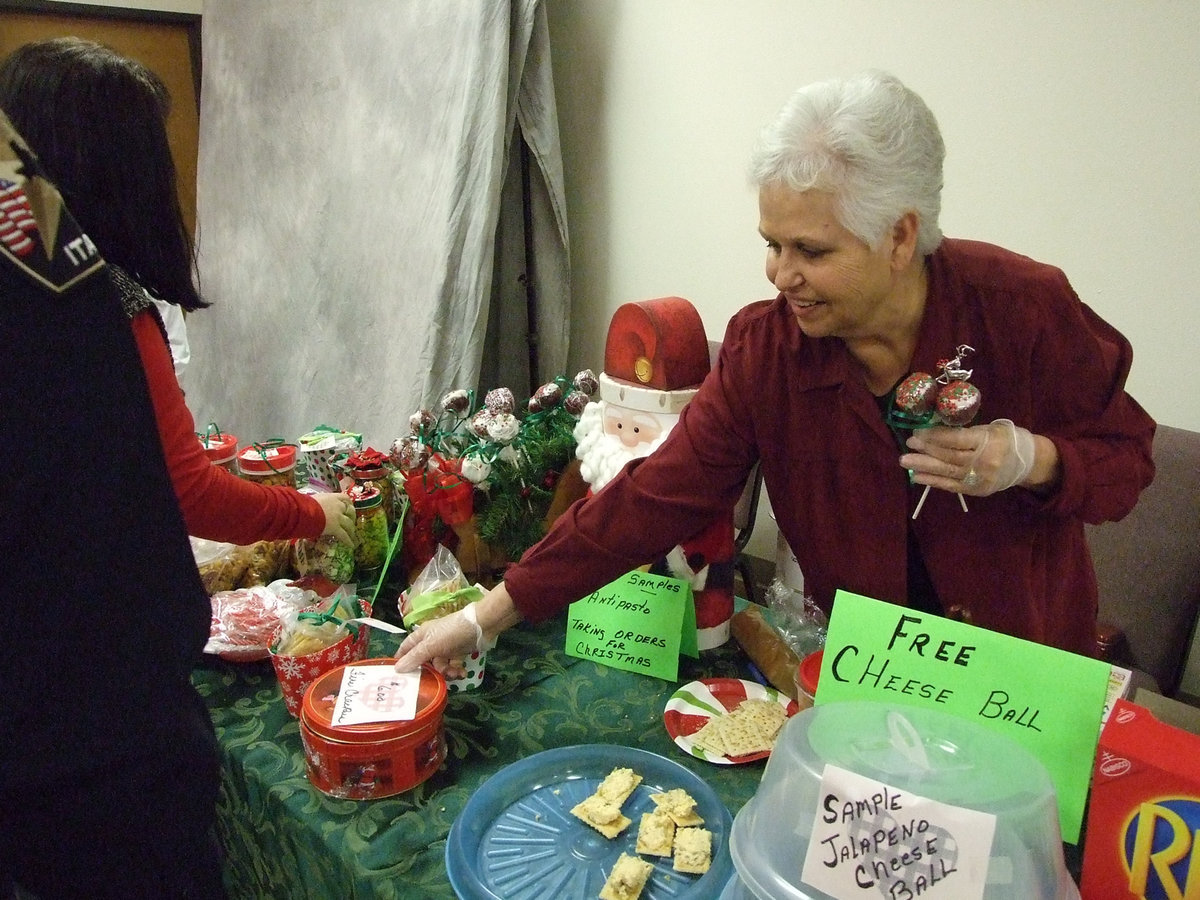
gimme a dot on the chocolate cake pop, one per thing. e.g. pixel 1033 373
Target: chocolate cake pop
pixel 500 400
pixel 958 403
pixel 916 394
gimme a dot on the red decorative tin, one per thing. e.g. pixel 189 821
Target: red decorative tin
pixel 372 759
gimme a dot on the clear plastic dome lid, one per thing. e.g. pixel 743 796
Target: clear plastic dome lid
pixel 921 796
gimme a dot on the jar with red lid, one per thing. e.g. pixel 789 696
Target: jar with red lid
pixel 369 466
pixel 268 464
pixel 221 450
pixel 368 760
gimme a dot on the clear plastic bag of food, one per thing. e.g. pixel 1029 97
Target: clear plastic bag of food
pixel 305 631
pixel 222 566
pixel 245 619
pixel 439 590
pixel 796 616
pixel 267 560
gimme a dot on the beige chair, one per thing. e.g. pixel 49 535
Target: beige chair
pixel 1148 567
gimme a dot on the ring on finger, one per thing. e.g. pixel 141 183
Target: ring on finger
pixel 971 478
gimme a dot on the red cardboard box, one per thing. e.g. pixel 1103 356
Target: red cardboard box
pixel 1143 821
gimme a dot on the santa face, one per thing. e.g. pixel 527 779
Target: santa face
pixel 608 436
pixel 633 428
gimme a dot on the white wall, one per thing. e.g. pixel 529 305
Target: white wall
pixel 1072 131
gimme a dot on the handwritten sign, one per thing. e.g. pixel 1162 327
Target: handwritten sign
pixel 1047 700
pixel 376 694
pixel 872 839
pixel 639 623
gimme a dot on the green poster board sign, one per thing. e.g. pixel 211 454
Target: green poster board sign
pixel 639 623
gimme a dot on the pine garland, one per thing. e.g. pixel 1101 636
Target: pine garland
pixel 511 514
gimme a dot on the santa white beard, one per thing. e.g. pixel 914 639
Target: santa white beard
pixel 601 455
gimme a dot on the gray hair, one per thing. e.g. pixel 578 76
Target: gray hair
pixel 868 140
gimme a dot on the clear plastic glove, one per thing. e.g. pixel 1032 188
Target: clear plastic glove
pixel 978 460
pixel 340 521
pixel 445 642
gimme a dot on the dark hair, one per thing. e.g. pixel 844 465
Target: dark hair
pixel 97 121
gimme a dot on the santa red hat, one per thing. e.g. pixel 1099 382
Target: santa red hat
pixel 656 355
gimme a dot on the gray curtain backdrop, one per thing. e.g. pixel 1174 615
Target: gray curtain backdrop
pixel 364 204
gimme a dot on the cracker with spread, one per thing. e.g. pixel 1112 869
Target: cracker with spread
pixel 618 785
pixel 627 878
pixel 602 815
pixel 693 850
pixel 679 805
pixel 656 834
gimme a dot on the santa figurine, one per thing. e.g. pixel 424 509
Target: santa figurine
pixel 655 357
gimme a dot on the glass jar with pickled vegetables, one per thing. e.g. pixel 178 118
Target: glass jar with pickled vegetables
pixel 372 546
pixel 268 464
pixel 369 466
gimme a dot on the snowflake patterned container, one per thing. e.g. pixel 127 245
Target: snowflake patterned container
pixel 372 759
pixel 296 673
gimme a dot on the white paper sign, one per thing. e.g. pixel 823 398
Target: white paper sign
pixel 871 840
pixel 376 694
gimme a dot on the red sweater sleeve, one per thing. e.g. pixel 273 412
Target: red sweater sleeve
pixel 215 504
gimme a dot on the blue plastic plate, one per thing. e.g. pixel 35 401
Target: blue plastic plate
pixel 517 840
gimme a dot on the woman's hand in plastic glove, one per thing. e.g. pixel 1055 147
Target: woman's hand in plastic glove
pixel 340 521
pixel 447 641
pixel 977 460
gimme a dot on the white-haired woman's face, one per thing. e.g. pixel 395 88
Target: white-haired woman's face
pixel 834 283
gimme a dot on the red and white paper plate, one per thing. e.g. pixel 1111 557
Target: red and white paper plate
pixel 696 702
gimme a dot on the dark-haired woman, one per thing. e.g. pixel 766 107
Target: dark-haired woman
pixel 97 120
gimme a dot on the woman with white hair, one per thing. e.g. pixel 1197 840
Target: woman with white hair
pixel 832 384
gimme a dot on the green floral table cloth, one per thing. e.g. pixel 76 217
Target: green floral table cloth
pixel 285 839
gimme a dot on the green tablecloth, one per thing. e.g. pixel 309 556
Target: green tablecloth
pixel 284 838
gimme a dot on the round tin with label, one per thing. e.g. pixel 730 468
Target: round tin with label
pixel 372 759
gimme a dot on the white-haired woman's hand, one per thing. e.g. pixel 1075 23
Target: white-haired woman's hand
pixel 447 641
pixel 981 459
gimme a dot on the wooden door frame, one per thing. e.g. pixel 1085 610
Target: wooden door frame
pixel 190 22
